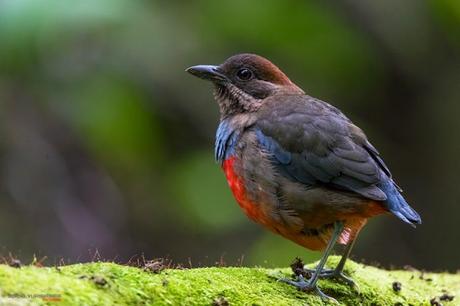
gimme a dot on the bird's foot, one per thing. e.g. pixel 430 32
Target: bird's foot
pixel 308 286
pixel 334 274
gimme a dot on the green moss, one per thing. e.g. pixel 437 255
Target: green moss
pixel 104 283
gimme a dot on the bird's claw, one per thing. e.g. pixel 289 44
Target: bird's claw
pixel 340 276
pixel 334 274
pixel 308 286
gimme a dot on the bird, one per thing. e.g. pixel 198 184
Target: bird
pixel 296 164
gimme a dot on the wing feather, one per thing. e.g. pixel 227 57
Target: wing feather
pixel 314 143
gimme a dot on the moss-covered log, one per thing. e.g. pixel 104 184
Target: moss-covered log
pixel 104 283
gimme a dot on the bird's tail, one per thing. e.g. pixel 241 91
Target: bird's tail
pixel 397 205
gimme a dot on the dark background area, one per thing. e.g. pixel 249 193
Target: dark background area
pixel 107 144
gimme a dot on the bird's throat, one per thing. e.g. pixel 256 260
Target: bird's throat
pixel 233 100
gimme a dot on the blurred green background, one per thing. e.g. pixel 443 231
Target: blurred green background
pixel 107 144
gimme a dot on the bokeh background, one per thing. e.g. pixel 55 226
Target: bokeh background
pixel 106 144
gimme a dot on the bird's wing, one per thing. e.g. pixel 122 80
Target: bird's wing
pixel 314 143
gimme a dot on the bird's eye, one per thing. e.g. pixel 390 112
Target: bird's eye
pixel 244 74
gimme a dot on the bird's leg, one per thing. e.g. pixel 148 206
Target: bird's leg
pixel 311 284
pixel 337 273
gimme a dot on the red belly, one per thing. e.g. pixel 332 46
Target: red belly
pixel 239 191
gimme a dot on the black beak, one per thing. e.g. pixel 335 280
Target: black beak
pixel 207 72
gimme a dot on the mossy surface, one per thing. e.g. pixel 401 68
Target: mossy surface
pixel 104 283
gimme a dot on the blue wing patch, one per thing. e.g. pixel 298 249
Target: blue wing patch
pixel 284 160
pixel 273 147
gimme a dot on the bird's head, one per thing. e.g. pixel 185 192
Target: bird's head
pixel 243 81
